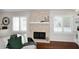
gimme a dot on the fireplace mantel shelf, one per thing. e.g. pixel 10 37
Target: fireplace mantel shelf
pixel 39 22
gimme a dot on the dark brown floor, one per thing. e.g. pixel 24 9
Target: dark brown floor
pixel 57 45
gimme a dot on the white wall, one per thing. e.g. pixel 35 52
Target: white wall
pixel 5 34
pixel 10 15
pixel 69 37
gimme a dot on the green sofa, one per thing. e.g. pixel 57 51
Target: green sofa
pixel 14 42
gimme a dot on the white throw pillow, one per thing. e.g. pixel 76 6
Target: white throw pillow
pixel 24 38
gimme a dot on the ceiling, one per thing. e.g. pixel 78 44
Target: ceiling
pixel 19 10
pixel 13 10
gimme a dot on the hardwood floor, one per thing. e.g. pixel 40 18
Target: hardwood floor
pixel 43 45
pixel 57 45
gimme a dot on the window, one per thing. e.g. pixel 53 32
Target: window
pixel 67 24
pixel 15 23
pixel 23 23
pixel 19 23
pixel 57 24
pixel 62 24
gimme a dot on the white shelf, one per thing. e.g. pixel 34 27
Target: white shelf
pixel 39 22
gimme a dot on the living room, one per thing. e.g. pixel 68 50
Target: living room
pixel 39 29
